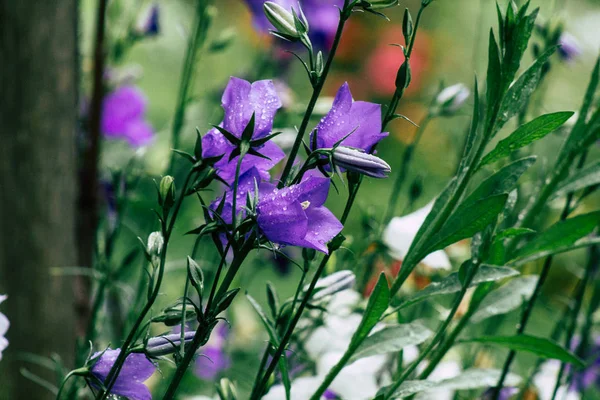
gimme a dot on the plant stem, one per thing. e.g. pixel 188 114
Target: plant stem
pixel 590 271
pixel 195 42
pixel 344 15
pixel 166 231
pixel 403 172
pixel 439 334
pixel 206 326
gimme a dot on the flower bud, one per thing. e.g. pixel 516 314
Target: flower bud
pixel 452 98
pixel 167 344
pixel 226 390
pixel 155 243
pixel 358 161
pixel 286 23
pixel 568 47
pixel 334 283
pixel 148 24
pixel 167 191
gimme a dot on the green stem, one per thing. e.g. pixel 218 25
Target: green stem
pixel 344 15
pixel 590 270
pixel 205 328
pixel 196 41
pixel 403 171
pixel 438 336
pixel 166 231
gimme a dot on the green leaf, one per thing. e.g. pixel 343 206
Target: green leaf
pixel 561 234
pixel 516 45
pixel 470 379
pixel 378 303
pixel 506 298
pixel 466 221
pixel 512 233
pixel 263 317
pixel 391 339
pixel 526 134
pixel 581 243
pixel 494 70
pixel 273 300
pixel 502 181
pixel 473 130
pixel 518 94
pixel 582 179
pixel 451 284
pixel 541 347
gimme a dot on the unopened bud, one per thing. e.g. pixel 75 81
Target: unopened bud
pixel 167 344
pixel 286 23
pixel 334 283
pixel 361 162
pixel 167 191
pixel 155 243
pixel 452 98
pixel 568 47
pixel 148 24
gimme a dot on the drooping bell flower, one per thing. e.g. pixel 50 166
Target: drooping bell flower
pixel 4 324
pixel 213 358
pixel 123 116
pixel 130 382
pixel 242 99
pixel 355 123
pixel 293 215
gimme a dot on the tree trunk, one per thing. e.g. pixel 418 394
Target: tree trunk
pixel 38 180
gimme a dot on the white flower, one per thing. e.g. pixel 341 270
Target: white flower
pixel 401 231
pixel 453 97
pixel 4 324
pixel 444 370
pixel 301 389
pixel 545 380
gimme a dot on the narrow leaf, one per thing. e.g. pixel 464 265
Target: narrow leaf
pixel 582 179
pixel 391 339
pixel 526 134
pixel 378 303
pixel 561 234
pixel 506 298
pixel 263 317
pixel 541 347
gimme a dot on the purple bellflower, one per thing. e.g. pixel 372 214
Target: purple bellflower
pixel 590 375
pixel 240 101
pixel 123 116
pixel 568 47
pixel 323 17
pixel 359 122
pixel 330 395
pixel 130 382
pixel 4 324
pixel 214 359
pixel 293 215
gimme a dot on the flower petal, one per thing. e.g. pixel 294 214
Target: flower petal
pixel 322 227
pixel 282 221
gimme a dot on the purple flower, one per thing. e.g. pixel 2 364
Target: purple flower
pixel 4 324
pixel 330 395
pixel 130 382
pixel 214 359
pixel 590 375
pixel 293 215
pixel 568 47
pixel 323 18
pixel 360 121
pixel 240 100
pixel 123 115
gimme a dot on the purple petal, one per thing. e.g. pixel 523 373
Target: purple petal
pixel 241 99
pixel 282 221
pixel 226 168
pixel 136 369
pixel 322 227
pixel 314 190
pixel 358 122
pixel 215 144
pixel 120 107
pixel 133 391
pixel 139 133
pixel 212 361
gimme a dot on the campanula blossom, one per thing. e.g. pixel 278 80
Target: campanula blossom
pixel 323 18
pixel 589 376
pixel 213 358
pixel 359 122
pixel 130 382
pixel 568 47
pixel 4 324
pixel 123 116
pixel 168 344
pixel 241 99
pixel 293 215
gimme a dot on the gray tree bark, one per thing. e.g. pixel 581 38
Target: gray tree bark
pixel 38 181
